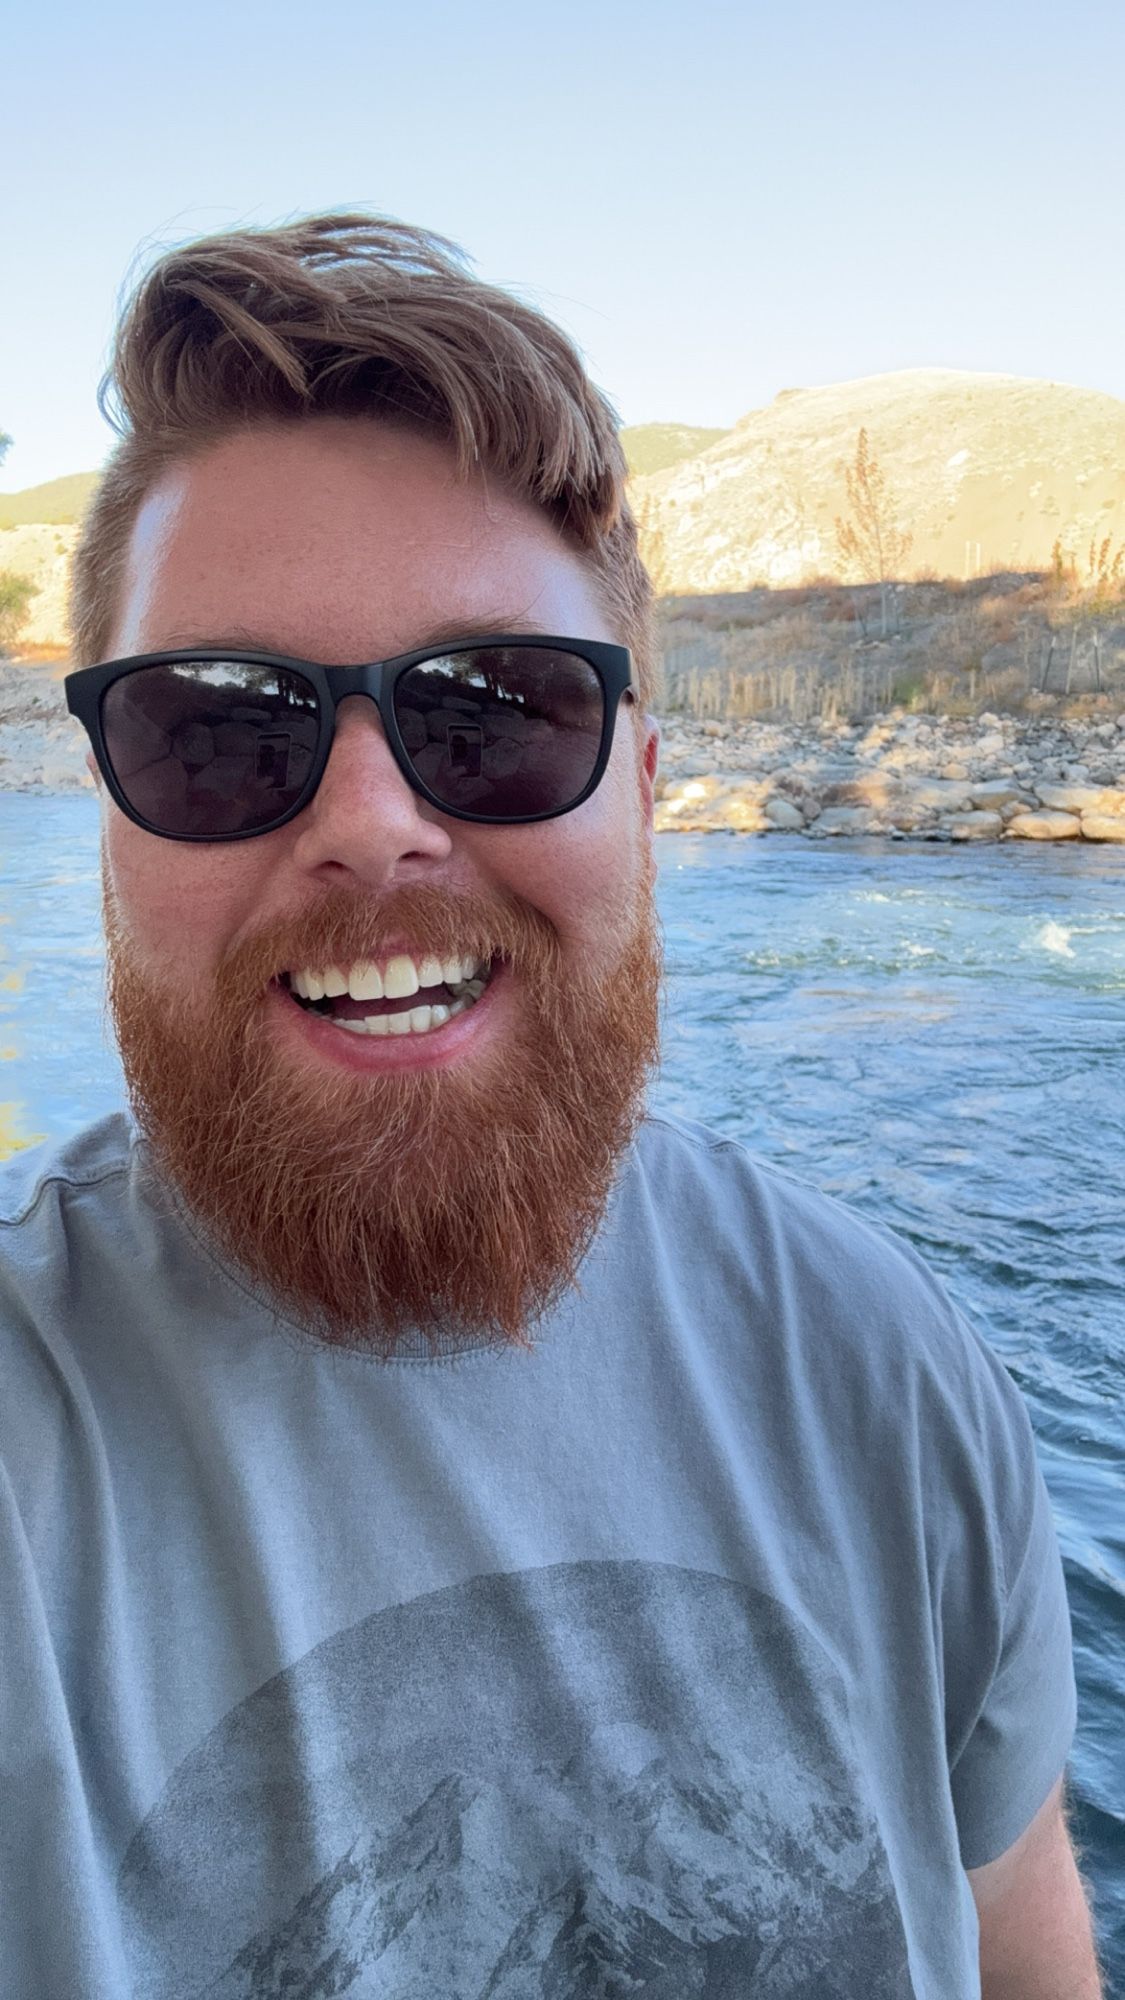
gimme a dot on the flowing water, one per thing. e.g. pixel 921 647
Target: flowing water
pixel 935 1034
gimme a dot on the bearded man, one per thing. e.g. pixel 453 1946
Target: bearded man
pixel 463 1534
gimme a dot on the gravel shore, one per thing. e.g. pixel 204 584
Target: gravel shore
pixel 900 775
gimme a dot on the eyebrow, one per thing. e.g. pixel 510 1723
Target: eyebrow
pixel 240 640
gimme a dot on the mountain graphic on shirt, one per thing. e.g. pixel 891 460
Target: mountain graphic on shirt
pixel 632 1826
pixel 432 1912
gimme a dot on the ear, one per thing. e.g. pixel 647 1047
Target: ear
pixel 648 738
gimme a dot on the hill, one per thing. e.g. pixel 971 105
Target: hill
pixel 985 473
pixel 655 447
pixel 60 502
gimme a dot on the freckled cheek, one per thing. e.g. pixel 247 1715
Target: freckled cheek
pixel 581 874
pixel 178 908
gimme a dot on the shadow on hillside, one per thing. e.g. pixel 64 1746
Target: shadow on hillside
pixel 1015 642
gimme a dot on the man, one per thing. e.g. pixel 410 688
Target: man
pixel 462 1535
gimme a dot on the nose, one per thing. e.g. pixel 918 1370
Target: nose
pixel 364 820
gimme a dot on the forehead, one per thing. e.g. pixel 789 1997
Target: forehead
pixel 341 539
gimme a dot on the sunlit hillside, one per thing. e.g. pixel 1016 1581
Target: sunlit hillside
pixel 983 472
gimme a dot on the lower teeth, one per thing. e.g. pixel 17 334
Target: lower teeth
pixel 419 1020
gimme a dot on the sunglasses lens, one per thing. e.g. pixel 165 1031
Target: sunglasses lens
pixel 506 732
pixel 211 746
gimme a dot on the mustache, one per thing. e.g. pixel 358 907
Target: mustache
pixel 344 928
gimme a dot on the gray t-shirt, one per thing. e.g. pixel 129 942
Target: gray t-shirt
pixel 696 1651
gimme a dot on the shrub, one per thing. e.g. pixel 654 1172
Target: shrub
pixel 16 593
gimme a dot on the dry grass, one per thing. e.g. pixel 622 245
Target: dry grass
pixel 956 647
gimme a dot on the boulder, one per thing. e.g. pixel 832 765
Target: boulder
pixel 784 814
pixel 1103 826
pixel 849 819
pixel 740 812
pixel 976 826
pixel 938 795
pixel 1044 826
pixel 994 797
pixel 1081 798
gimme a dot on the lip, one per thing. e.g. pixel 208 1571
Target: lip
pixel 313 1034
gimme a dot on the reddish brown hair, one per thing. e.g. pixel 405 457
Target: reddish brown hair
pixel 356 315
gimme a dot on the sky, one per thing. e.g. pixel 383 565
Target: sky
pixel 717 201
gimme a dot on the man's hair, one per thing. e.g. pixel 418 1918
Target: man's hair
pixel 356 315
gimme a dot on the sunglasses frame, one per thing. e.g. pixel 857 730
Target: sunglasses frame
pixel 377 679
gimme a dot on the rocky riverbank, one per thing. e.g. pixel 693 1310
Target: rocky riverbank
pixel 903 776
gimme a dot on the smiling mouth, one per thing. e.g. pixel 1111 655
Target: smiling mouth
pixel 397 996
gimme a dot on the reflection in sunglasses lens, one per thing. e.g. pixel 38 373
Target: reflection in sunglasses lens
pixel 510 731
pixel 210 746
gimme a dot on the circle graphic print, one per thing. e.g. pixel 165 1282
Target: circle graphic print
pixel 595 1779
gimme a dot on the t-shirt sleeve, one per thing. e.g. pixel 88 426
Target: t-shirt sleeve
pixel 1013 1730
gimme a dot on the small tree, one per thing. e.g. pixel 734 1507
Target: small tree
pixel 653 542
pixel 871 545
pixel 1103 595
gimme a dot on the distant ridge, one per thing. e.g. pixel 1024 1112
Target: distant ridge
pixel 655 447
pixel 58 503
pixel 986 471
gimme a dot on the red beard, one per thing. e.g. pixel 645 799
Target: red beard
pixel 451 1203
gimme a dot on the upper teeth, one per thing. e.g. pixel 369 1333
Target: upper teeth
pixel 398 979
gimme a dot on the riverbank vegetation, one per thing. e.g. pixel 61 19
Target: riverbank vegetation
pixel 1020 643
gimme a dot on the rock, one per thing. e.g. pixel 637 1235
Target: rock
pixel 714 729
pixel 1075 774
pixel 937 795
pixel 976 826
pixel 994 797
pixel 1103 826
pixel 784 814
pixel 988 746
pixel 863 788
pixel 694 791
pixel 849 819
pixel 1081 798
pixel 1044 826
pixel 954 773
pixel 739 814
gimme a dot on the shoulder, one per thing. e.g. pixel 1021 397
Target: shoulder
pixel 760 1247
pixel 714 1186
pixel 53 1200
pixel 39 1182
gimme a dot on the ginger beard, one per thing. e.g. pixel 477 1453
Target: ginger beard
pixel 448 1203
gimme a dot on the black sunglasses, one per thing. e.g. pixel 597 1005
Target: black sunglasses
pixel 210 744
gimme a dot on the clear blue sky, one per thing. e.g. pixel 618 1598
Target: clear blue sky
pixel 718 200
